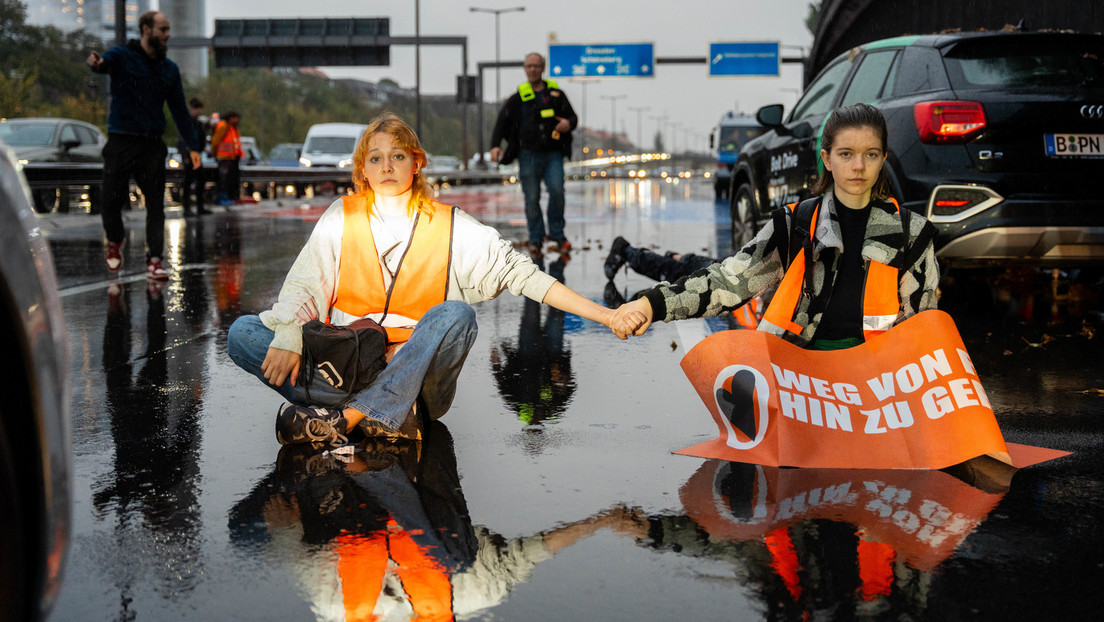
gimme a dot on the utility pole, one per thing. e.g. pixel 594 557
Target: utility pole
pixel 613 117
pixel 639 130
pixel 659 127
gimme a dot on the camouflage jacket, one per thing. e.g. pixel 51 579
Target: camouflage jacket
pixel 758 268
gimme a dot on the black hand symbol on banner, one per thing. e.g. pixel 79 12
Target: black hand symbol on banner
pixel 739 404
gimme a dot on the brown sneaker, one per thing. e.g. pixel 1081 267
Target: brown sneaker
pixel 411 429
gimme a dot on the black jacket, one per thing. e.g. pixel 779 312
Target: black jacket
pixel 521 125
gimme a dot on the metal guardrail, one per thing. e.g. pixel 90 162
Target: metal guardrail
pixel 82 181
pixel 45 175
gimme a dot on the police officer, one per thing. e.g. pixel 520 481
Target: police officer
pixel 536 123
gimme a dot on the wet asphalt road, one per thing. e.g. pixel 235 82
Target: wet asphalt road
pixel 549 491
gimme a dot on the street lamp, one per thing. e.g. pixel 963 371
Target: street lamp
pixel 639 131
pixel 498 70
pixel 613 116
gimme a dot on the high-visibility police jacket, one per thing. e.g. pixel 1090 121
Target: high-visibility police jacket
pixel 526 126
pixel 759 266
pixel 420 282
pixel 227 141
pixel 881 304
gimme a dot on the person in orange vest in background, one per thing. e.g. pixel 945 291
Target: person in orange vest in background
pixel 392 254
pixel 226 143
pixel 847 264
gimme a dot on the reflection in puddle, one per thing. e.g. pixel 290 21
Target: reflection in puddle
pixel 533 373
pixel 833 538
pixel 385 531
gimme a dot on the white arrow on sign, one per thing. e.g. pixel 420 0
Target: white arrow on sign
pixel 717 58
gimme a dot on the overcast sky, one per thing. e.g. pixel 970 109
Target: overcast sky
pixel 685 94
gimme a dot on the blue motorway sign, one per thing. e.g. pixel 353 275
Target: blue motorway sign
pixel 601 60
pixel 745 58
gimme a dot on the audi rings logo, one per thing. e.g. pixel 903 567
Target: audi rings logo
pixel 1093 111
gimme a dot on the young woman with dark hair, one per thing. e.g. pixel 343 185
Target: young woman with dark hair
pixel 861 264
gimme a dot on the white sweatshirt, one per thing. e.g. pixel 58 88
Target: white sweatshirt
pixel 483 266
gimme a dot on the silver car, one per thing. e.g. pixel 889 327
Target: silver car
pixel 35 450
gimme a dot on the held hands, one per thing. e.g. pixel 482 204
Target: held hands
pixel 278 365
pixel 631 318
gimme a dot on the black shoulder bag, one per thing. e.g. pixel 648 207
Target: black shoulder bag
pixel 347 357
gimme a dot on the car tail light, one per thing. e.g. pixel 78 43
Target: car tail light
pixel 952 203
pixel 948 122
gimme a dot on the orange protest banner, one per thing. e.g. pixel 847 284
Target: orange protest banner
pixel 909 398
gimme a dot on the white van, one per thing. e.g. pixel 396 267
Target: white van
pixel 331 144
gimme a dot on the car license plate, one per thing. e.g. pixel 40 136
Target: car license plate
pixel 1074 145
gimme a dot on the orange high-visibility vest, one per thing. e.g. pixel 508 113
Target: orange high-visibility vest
pixel 881 296
pixel 230 145
pixel 420 282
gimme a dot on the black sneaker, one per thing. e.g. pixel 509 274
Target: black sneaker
pixel 616 257
pixel 300 424
pixel 612 296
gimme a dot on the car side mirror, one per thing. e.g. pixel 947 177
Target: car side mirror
pixel 770 116
pixel 69 144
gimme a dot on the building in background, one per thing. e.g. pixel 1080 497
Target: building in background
pixel 97 17
pixel 188 20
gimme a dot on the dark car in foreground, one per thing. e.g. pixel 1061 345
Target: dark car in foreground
pixel 35 454
pixel 53 140
pixel 997 137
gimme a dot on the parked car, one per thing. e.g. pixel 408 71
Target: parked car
pixel 997 137
pixel 253 154
pixel 331 144
pixel 35 450
pixel 53 140
pixel 285 154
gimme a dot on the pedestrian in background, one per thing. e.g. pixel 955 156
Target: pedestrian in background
pixel 226 143
pixel 194 179
pixel 392 254
pixel 536 123
pixel 143 80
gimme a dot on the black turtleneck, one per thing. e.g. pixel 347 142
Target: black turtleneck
pixel 843 317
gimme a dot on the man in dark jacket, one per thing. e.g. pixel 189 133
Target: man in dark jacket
pixel 536 122
pixel 143 80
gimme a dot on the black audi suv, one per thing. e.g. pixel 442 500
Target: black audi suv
pixel 997 137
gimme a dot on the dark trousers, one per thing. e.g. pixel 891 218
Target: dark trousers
pixel 665 267
pixel 229 179
pixel 193 182
pixel 143 158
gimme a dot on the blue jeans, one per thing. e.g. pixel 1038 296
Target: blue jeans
pixel 533 166
pixel 428 365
